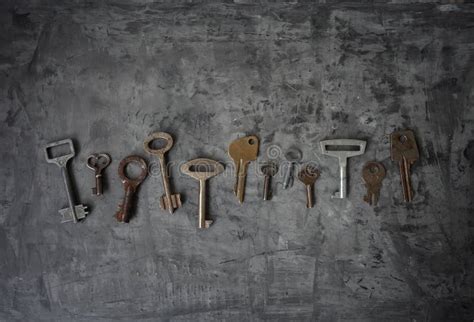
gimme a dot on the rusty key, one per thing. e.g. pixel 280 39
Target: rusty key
pixel 98 162
pixel 404 150
pixel 169 201
pixel 308 176
pixel 130 185
pixel 269 169
pixel 373 173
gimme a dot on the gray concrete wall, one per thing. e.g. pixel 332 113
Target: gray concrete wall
pixel 108 74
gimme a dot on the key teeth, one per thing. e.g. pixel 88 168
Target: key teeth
pixel 175 202
pixel 81 213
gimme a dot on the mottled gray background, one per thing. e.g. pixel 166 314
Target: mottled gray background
pixel 107 73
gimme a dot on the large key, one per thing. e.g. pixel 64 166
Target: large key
pixel 74 212
pixel 98 162
pixel 130 185
pixel 242 151
pixel 308 176
pixel 169 201
pixel 342 149
pixel 373 173
pixel 202 170
pixel 404 150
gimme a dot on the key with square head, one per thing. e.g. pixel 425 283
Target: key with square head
pixel 373 173
pixel 293 155
pixel 202 169
pixel 269 169
pixel 73 212
pixel 98 162
pixel 130 185
pixel 308 176
pixel 342 149
pixel 169 201
pixel 404 150
pixel 242 151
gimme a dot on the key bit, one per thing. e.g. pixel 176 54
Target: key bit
pixel 242 151
pixel 404 150
pixel 308 176
pixel 373 173
pixel 98 162
pixel 269 169
pixel 202 170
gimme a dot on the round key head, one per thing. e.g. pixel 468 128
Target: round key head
pixel 309 174
pixel 373 172
pixel 293 154
pixel 202 169
pixel 270 168
pixel 98 161
pixel 141 164
pixel 158 136
pixel 245 148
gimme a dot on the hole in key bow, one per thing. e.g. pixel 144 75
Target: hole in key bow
pixel 157 144
pixel 133 170
pixel 251 141
pixel 403 139
pixel 374 169
pixel 202 168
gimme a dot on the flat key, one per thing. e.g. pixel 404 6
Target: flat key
pixel 202 170
pixel 130 185
pixel 169 201
pixel 373 174
pixel 293 155
pixel 404 150
pixel 308 176
pixel 74 212
pixel 98 162
pixel 242 151
pixel 269 169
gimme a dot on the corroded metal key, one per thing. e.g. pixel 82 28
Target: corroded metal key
pixel 242 151
pixel 202 170
pixel 130 185
pixel 308 176
pixel 98 162
pixel 373 173
pixel 169 201
pixel 73 212
pixel 404 150
pixel 269 169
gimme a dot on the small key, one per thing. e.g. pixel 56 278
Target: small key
pixel 242 151
pixel 98 162
pixel 373 173
pixel 169 201
pixel 293 155
pixel 130 185
pixel 269 169
pixel 404 150
pixel 73 213
pixel 308 176
pixel 202 170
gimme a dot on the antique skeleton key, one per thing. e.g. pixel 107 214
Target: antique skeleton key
pixel 242 151
pixel 169 201
pixel 98 162
pixel 308 176
pixel 373 173
pixel 130 185
pixel 404 150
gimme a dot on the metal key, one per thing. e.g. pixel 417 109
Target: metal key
pixel 73 212
pixel 269 169
pixel 293 155
pixel 373 173
pixel 308 176
pixel 342 149
pixel 202 170
pixel 242 151
pixel 404 150
pixel 98 162
pixel 130 185
pixel 168 201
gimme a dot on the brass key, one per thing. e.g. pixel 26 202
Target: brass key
pixel 308 176
pixel 168 201
pixel 373 173
pixel 202 170
pixel 129 185
pixel 404 151
pixel 98 162
pixel 242 151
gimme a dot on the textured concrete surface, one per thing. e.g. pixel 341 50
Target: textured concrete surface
pixel 107 75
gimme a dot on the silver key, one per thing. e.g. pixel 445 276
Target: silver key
pixel 293 155
pixel 73 212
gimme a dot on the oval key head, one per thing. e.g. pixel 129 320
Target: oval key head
pixel 293 154
pixel 245 148
pixel 269 169
pixel 156 137
pixel 98 161
pixel 202 169
pixel 143 167
pixel 373 172
pixel 309 174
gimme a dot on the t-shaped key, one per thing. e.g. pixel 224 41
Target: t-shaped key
pixel 342 149
pixel 202 170
pixel 168 201
pixel 73 212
